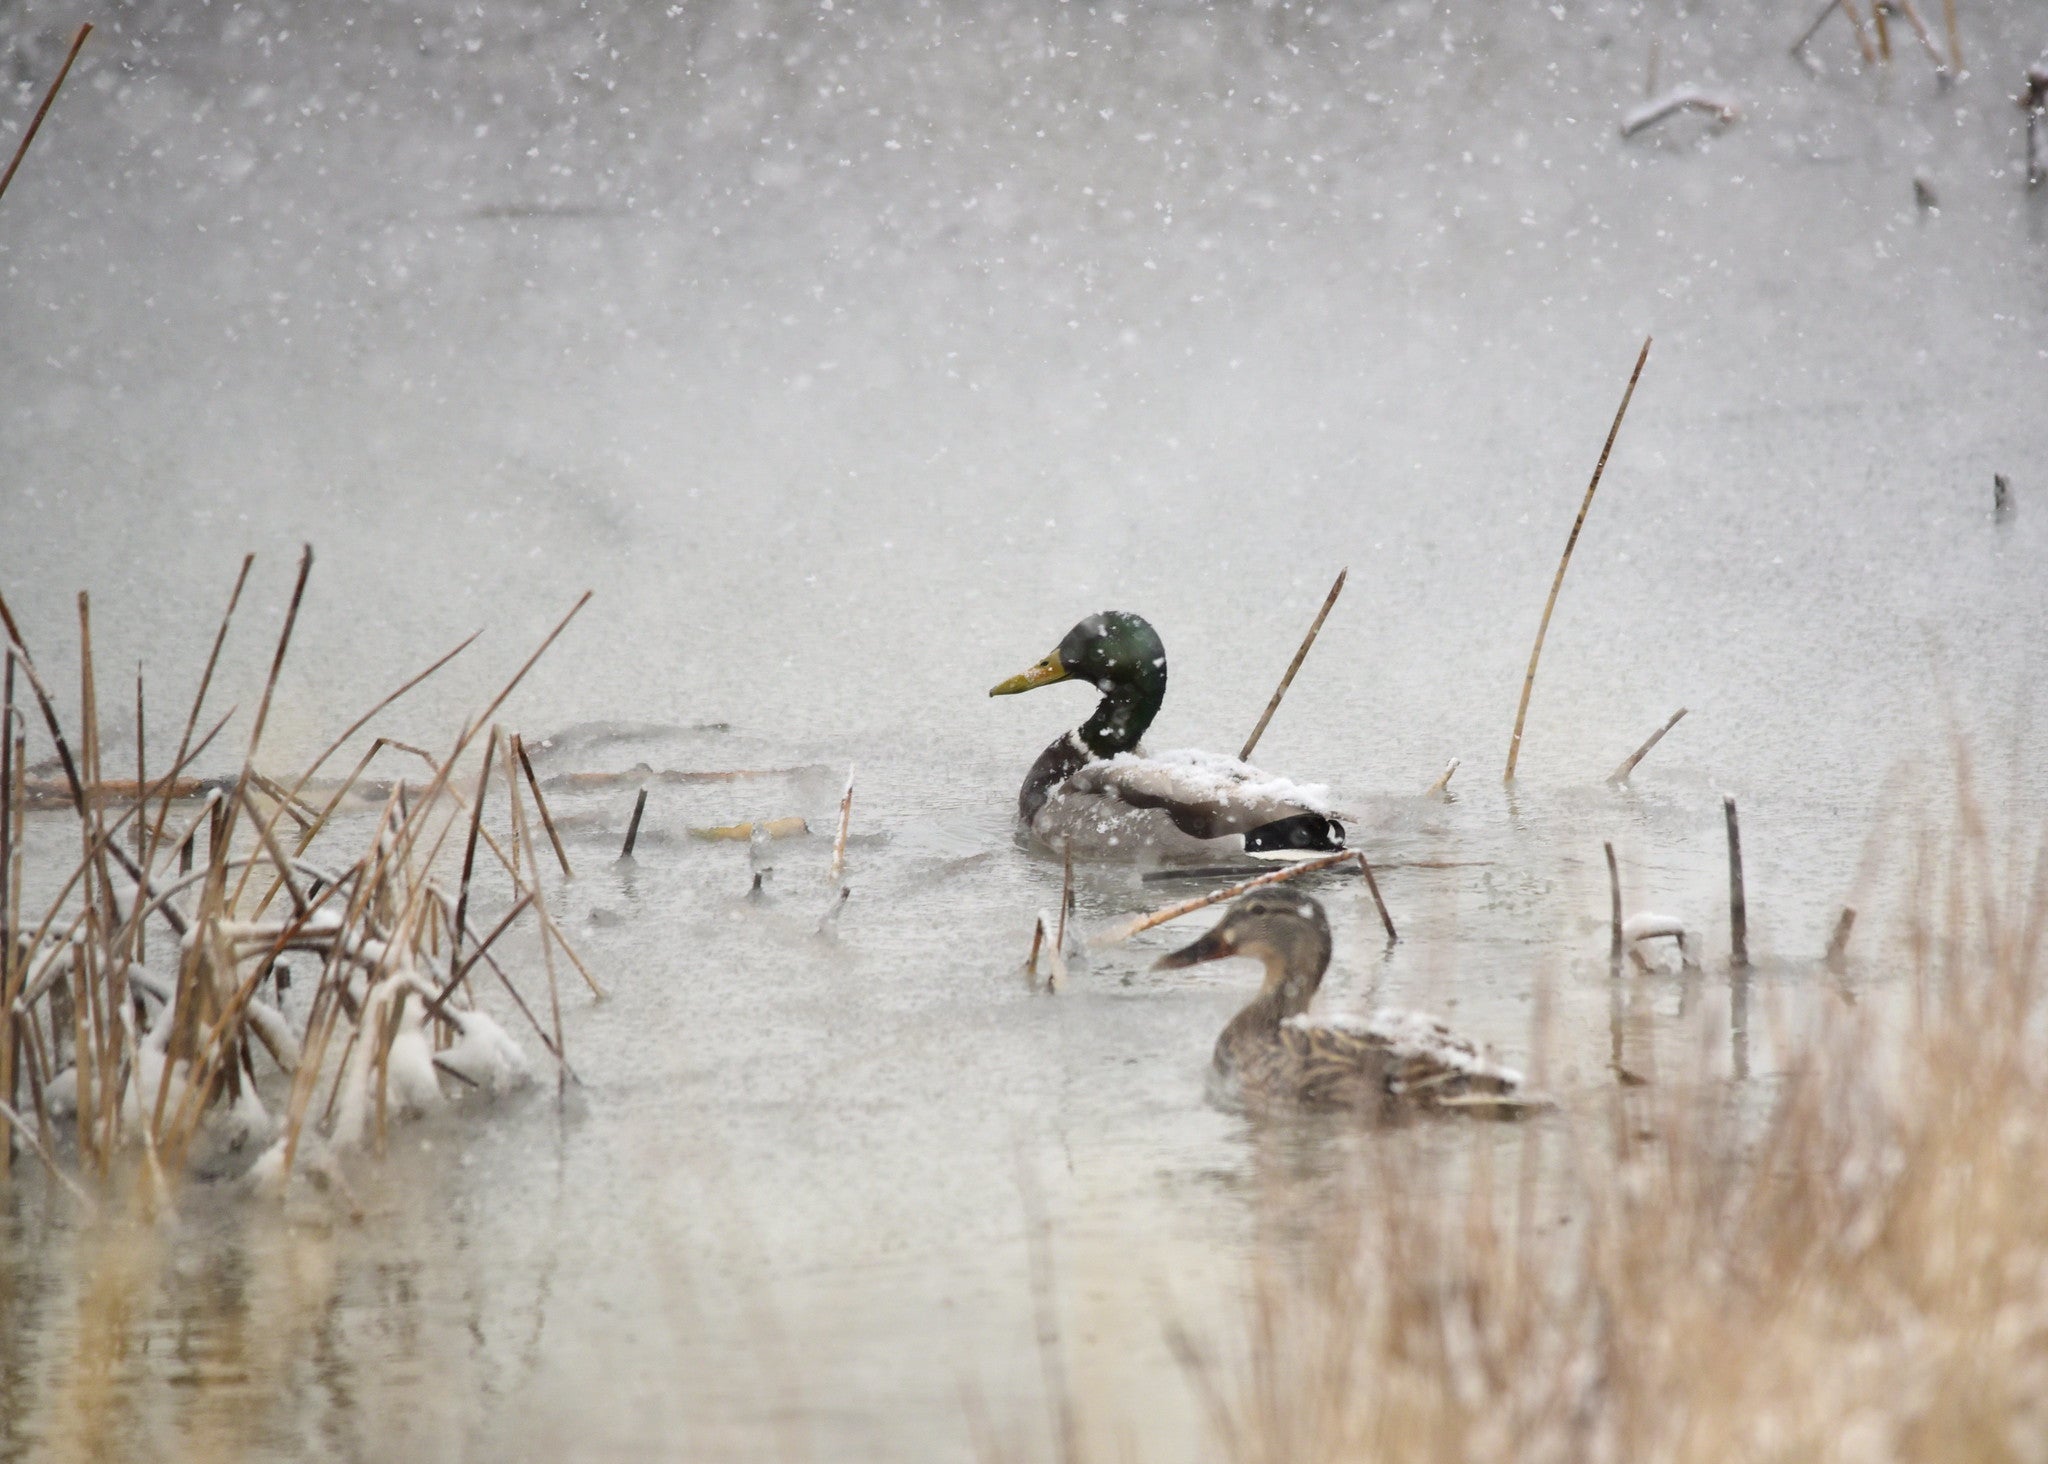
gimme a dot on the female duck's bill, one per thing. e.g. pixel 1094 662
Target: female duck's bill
pixel 1094 792
pixel 1274 1053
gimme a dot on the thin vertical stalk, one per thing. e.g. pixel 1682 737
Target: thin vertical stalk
pixel 519 837
pixel 476 818
pixel 141 801
pixel 633 827
pixel 1564 561
pixel 1738 903
pixel 220 636
pixel 1614 891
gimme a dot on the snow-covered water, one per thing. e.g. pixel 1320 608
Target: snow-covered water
pixel 851 353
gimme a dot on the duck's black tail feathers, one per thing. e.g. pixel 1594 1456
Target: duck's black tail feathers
pixel 1302 835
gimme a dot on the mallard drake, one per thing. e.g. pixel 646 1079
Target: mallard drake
pixel 1095 793
pixel 1274 1053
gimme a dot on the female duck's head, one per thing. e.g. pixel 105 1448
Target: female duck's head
pixel 1120 655
pixel 1285 930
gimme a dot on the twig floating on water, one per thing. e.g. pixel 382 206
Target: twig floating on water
pixel 644 774
pixel 1679 99
pixel 1628 764
pixel 767 828
pixel 1293 666
pixel 1564 561
pixel 633 830
pixel 35 123
pixel 1738 903
pixel 1116 934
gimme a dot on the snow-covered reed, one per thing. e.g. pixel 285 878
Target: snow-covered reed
pixel 143 1011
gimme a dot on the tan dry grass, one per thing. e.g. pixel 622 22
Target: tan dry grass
pixel 1850 1264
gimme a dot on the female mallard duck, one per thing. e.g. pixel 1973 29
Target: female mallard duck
pixel 1093 792
pixel 1273 1053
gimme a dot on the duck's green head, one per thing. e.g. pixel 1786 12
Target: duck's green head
pixel 1118 653
pixel 1110 651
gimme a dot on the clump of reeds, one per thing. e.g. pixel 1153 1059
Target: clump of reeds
pixel 142 1009
pixel 1850 1263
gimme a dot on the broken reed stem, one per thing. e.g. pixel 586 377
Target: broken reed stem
pixel 1038 933
pixel 1628 764
pixel 1294 666
pixel 546 819
pixel 1614 892
pixel 1443 783
pixel 1386 920
pixel 1738 904
pixel 1557 583
pixel 1955 36
pixel 1685 98
pixel 1116 934
pixel 845 823
pixel 36 122
pixel 1838 943
pixel 633 828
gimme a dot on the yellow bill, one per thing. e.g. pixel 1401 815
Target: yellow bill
pixel 1045 673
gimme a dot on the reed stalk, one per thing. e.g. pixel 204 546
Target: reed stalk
pixel 1838 941
pixel 1564 561
pixel 633 827
pixel 1738 903
pixel 476 820
pixel 1287 680
pixel 36 122
pixel 1614 891
pixel 838 869
pixel 1124 930
pixel 546 819
pixel 519 836
pixel 1372 884
pixel 1628 764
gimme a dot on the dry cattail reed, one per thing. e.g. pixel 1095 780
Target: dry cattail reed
pixel 1564 561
